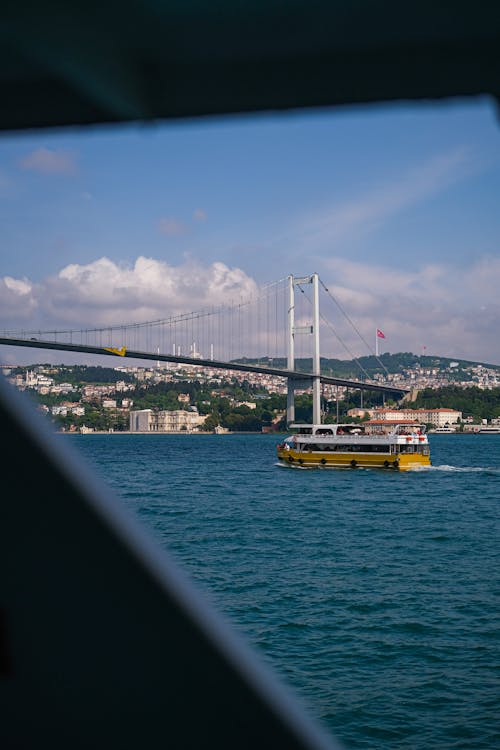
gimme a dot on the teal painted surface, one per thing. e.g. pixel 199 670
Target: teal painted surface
pixel 374 594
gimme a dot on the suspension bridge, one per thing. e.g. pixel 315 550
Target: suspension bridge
pixel 268 332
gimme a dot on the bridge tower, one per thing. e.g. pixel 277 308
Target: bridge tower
pixel 292 331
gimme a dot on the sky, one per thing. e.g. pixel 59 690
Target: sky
pixel 395 206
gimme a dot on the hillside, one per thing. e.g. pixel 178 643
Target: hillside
pixel 394 363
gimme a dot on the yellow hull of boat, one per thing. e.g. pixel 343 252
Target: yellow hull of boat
pixel 402 462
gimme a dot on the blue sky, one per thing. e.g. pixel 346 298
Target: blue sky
pixel 397 208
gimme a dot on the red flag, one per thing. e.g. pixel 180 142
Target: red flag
pixel 380 334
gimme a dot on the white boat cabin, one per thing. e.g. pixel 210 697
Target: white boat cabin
pixel 396 438
pixel 365 429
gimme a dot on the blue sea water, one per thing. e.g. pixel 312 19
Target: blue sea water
pixel 374 594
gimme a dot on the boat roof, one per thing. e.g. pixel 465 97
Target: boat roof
pixel 390 422
pixel 333 424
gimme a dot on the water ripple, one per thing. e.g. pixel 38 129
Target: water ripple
pixel 375 594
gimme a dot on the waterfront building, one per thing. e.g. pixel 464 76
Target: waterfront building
pixel 440 417
pixel 147 420
pixel 436 417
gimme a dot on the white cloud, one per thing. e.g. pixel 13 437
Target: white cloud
pixel 18 300
pixel 21 287
pixel 450 311
pixel 106 293
pixel 49 161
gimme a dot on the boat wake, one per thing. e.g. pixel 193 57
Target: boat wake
pixel 296 467
pixel 463 469
pixel 444 467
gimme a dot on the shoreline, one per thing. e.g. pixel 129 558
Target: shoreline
pixel 242 432
pixel 180 432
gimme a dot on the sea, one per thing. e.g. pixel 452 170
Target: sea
pixel 374 595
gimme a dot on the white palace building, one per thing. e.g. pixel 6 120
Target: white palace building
pixel 147 420
pixel 436 417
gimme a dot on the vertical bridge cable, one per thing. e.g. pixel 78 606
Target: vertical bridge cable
pixel 346 316
pixel 242 328
pixel 338 337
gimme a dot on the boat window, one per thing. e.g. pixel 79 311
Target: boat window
pixel 350 448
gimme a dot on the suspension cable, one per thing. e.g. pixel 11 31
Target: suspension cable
pixel 346 316
pixel 337 336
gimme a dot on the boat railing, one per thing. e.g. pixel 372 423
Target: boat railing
pixel 355 437
pixel 342 436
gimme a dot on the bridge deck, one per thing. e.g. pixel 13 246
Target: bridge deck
pixel 217 364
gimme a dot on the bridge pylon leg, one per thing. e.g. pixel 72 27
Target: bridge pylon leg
pixel 290 393
pixel 316 363
pixel 290 402
pixel 316 394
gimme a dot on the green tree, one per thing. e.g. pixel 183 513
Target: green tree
pixel 210 423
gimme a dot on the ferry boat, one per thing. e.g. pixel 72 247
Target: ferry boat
pixel 400 447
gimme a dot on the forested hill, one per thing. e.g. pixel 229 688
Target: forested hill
pixel 459 369
pixel 472 402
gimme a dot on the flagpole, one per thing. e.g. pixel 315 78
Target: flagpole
pixel 376 343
